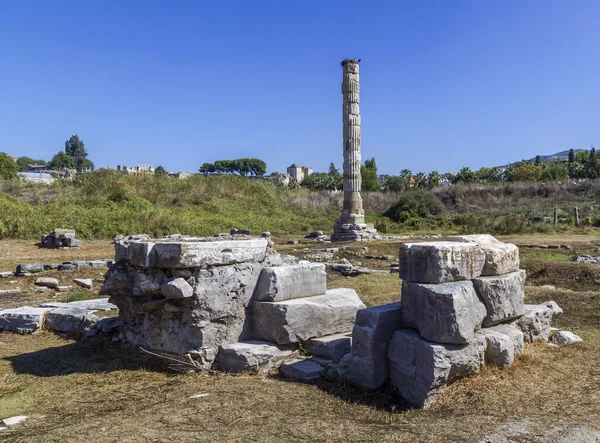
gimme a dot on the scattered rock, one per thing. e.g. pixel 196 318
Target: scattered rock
pixel 552 305
pixel 253 355
pixel 12 421
pixel 23 320
pixel 48 282
pixel 302 370
pixel 86 283
pixel 10 291
pixel 566 337
pixel 29 268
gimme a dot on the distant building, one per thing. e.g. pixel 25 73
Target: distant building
pixel 141 168
pixel 299 173
pixel 180 175
pixel 37 177
pixel 37 168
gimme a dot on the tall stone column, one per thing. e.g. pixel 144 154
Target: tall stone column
pixel 353 210
pixel 351 225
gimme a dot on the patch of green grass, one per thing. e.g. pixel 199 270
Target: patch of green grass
pixel 75 296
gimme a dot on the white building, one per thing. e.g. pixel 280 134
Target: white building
pixel 298 172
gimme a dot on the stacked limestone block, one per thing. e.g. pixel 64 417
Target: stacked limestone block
pixel 60 238
pixel 230 304
pixel 462 306
pixel 459 299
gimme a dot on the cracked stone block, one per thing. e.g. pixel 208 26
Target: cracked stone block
pixel 504 344
pixel 420 369
pixel 23 320
pixel 444 313
pixel 288 282
pixel 253 355
pixel 300 319
pixel 502 295
pixel 72 321
pixel 366 373
pixel 47 282
pixel 566 337
pixel 500 258
pixel 440 262
pixel 302 370
pixel 535 323
pixel 330 347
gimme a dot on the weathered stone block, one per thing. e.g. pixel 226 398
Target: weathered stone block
pixel 30 268
pixel 177 288
pixel 440 262
pixel 300 319
pixel 281 283
pixel 373 330
pixel 535 323
pixel 48 282
pixel 252 355
pixel 331 347
pixel 566 337
pixel 500 258
pixel 504 344
pixel 420 369
pixel 302 370
pixel 502 295
pixel 191 254
pixel 72 321
pixel 86 283
pixel 443 313
pixel 363 372
pixel 23 320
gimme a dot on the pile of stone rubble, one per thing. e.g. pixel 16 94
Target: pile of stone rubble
pixel 28 269
pixel 231 304
pixel 60 238
pixel 462 306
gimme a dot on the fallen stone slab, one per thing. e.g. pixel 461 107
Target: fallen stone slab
pixel 504 344
pixel 99 304
pixel 535 323
pixel 29 268
pixel 40 289
pixel 67 267
pixel 443 313
pixel 99 263
pixel 281 283
pixel 7 274
pixel 86 283
pixel 330 347
pixel 566 337
pixel 23 320
pixel 13 421
pixel 502 295
pixel 252 355
pixel 302 370
pixel 108 324
pixel 10 291
pixel 72 321
pixel 177 288
pixel 48 282
pixel 65 288
pixel 191 254
pixel 51 266
pixel 420 369
pixel 82 264
pixel 500 258
pixel 440 262
pixel 300 319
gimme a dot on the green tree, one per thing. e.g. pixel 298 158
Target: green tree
pixel 61 160
pixel 24 161
pixel 207 168
pixel 555 172
pixel 258 167
pixel 524 172
pixel 75 148
pixel 368 173
pixel 406 175
pixel 160 171
pixel 333 170
pixel 465 175
pixel 420 180
pixel 393 183
pixel 8 167
pixel 538 160
pixel 434 180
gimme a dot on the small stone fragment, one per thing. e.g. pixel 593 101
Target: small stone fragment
pixel 252 355
pixel 566 337
pixel 302 370
pixel 86 283
pixel 177 288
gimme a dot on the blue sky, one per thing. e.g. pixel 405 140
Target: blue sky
pixel 444 84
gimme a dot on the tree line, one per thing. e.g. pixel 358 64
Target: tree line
pixel 241 166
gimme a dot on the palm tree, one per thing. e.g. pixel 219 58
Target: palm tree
pixel 434 180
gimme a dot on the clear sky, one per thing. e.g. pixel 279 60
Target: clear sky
pixel 444 84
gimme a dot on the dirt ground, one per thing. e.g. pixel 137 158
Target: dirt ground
pixel 76 391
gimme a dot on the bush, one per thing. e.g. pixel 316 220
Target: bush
pixel 415 205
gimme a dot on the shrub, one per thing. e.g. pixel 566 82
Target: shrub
pixel 415 205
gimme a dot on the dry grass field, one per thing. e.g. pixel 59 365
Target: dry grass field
pixel 95 391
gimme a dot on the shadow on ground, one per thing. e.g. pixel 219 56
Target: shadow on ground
pixel 82 357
